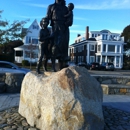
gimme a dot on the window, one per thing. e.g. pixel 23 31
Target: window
pixel 34 41
pixel 27 39
pixel 118 48
pixel 99 48
pixel 103 36
pixel 82 58
pixel 19 53
pixel 117 61
pixel 98 58
pixel 95 35
pixel 74 59
pixel 75 50
pixel 35 27
pixel 92 59
pixel 34 55
pixel 92 48
pixel 92 35
pixel 111 48
pixel 80 48
pixel 121 50
pixel 104 47
pixel 106 37
pixel 78 58
pixel 27 54
pixel 103 59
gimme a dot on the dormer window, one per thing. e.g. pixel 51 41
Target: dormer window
pixel 35 27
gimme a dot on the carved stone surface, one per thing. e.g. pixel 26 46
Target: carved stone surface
pixel 69 99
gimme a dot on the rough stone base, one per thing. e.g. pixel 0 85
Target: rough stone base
pixel 69 99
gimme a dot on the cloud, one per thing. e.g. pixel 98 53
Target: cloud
pixel 24 16
pixel 105 5
pixel 115 30
pixel 25 0
pixel 79 18
pixel 37 5
pixel 77 31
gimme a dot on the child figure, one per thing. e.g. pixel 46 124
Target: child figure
pixel 69 16
pixel 44 44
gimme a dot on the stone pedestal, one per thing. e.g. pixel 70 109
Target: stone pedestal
pixel 70 99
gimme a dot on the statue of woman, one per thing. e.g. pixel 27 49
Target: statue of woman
pixel 56 14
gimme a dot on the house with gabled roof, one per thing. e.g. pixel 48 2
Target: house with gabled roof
pixel 98 46
pixel 29 50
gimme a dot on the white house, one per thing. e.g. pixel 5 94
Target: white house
pixel 29 51
pixel 98 46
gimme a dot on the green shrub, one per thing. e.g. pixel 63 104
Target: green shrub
pixel 25 62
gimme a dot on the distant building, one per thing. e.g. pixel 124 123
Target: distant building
pixel 98 46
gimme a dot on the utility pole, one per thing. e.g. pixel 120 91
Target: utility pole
pixel 31 56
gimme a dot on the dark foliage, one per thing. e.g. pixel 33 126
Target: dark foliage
pixel 10 37
pixel 126 34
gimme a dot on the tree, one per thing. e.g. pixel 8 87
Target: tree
pixel 8 48
pixel 126 56
pixel 10 35
pixel 10 32
pixel 126 34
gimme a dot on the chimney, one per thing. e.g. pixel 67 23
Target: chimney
pixel 87 32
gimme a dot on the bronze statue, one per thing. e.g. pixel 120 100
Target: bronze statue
pixel 69 16
pixel 60 18
pixel 44 36
pixel 60 21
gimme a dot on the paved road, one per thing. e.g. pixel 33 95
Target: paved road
pixel 9 100
pixel 121 102
pixel 116 101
